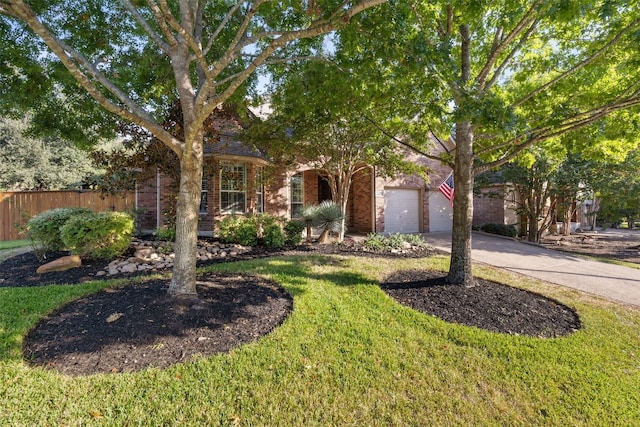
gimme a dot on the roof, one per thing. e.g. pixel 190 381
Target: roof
pixel 229 145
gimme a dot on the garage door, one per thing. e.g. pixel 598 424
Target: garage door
pixel 440 212
pixel 402 211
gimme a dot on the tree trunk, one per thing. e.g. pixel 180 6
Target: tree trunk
pixel 183 281
pixel 344 198
pixel 460 268
pixel 566 229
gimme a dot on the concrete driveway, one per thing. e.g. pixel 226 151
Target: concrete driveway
pixel 614 282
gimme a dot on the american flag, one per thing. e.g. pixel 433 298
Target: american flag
pixel 447 188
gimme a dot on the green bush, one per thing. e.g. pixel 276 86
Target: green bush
pixel 103 235
pixel 227 228
pixel 247 233
pixel 414 240
pixel 500 229
pixel 293 232
pixel 252 230
pixel 44 228
pixel 379 242
pixel 165 234
pixel 273 236
pixel 375 242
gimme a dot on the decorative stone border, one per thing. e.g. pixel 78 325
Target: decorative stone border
pixel 160 255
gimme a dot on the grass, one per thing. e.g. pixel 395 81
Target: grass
pixel 12 244
pixel 13 247
pixel 615 261
pixel 347 355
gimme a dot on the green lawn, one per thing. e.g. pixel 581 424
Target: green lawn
pixel 13 247
pixel 347 355
pixel 11 244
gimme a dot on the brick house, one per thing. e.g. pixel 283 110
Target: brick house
pixel 240 180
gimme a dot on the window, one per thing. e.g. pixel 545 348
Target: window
pixel 204 202
pixel 297 195
pixel 259 190
pixel 232 188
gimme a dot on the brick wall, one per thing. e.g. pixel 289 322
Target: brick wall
pixel 311 183
pixel 496 204
pixel 277 192
pixel 360 203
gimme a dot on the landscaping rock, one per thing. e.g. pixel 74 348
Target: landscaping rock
pixel 61 264
pixel 159 256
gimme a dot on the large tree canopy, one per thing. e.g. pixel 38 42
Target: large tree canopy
pixel 46 163
pixel 95 60
pixel 501 76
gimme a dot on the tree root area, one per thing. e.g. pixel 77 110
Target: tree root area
pixel 139 326
pixel 488 305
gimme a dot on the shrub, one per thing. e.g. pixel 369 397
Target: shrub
pixel 500 229
pixel 44 228
pixel 165 234
pixel 375 242
pixel 246 233
pixel 414 240
pixel 378 242
pixel 293 232
pixel 252 230
pixel 227 228
pixel 273 236
pixel 103 235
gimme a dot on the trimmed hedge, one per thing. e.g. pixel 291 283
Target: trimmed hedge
pixel 500 229
pixel 252 230
pixel 102 235
pixel 293 232
pixel 44 228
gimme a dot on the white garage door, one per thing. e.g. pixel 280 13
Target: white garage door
pixel 402 211
pixel 440 212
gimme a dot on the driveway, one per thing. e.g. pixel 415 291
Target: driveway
pixel 614 282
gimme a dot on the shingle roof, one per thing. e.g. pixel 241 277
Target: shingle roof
pixel 230 145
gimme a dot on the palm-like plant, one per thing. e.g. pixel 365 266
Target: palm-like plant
pixel 329 217
pixel 308 214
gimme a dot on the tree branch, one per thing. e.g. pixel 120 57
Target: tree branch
pixel 507 60
pixel 572 123
pixel 157 13
pixel 317 27
pixel 401 142
pixel 499 45
pixel 66 55
pixel 146 26
pixel 186 35
pixel 580 65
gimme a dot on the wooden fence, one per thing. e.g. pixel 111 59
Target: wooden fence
pixel 17 207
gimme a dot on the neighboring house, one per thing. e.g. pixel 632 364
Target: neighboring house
pixel 240 181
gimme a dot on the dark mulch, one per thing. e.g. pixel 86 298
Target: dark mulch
pixel 487 305
pixel 20 271
pixel 138 326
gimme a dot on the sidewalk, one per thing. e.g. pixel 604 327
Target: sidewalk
pixel 611 281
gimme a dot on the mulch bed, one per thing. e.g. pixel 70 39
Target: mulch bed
pixel 138 326
pixel 487 305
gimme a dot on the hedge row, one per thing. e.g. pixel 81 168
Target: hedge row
pixel 260 230
pixel 92 235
